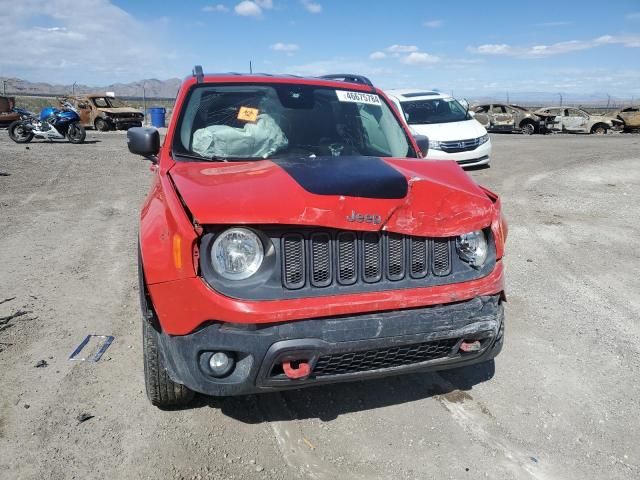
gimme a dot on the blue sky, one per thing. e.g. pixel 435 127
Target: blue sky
pixel 471 48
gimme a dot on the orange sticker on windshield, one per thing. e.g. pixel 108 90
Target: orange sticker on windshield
pixel 248 114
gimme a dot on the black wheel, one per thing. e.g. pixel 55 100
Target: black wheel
pixel 599 129
pixel 528 128
pixel 161 390
pixel 76 133
pixel 19 133
pixel 102 125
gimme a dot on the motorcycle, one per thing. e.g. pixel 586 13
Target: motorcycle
pixel 51 124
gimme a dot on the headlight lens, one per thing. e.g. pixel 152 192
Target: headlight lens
pixel 237 253
pixel 473 248
pixel 483 139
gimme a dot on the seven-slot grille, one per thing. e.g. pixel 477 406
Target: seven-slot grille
pixel 322 259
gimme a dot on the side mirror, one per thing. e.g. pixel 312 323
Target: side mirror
pixel 144 141
pixel 423 143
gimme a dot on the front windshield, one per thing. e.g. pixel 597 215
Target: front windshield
pixel 251 121
pixel 101 102
pixel 437 110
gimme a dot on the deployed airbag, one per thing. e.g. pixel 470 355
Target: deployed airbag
pixel 257 140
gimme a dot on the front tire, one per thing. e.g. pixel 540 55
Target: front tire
pixel 528 128
pixel 102 125
pixel 161 390
pixel 599 129
pixel 18 133
pixel 76 133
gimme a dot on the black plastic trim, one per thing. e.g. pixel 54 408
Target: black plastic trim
pixel 258 348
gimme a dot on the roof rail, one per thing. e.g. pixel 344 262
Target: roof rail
pixel 197 72
pixel 348 77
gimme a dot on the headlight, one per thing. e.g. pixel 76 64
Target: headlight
pixel 483 139
pixel 434 145
pixel 237 253
pixel 472 248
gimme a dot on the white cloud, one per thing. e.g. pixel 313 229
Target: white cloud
pixel 377 55
pixel 219 8
pixel 38 38
pixel 402 49
pixel 419 58
pixel 559 48
pixel 247 8
pixel 433 23
pixel 252 8
pixel 311 7
pixel 492 49
pixel 287 48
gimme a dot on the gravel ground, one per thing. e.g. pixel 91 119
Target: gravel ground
pixel 561 402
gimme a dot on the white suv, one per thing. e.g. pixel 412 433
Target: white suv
pixel 453 132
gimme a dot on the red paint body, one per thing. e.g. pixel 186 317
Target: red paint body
pixel 442 201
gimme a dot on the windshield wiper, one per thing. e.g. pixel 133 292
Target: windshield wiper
pixel 199 158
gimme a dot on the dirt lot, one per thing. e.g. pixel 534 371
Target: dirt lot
pixel 562 401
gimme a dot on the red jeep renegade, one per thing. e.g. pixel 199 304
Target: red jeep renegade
pixel 295 236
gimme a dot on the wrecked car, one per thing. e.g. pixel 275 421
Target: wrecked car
pixel 577 120
pixel 105 113
pixel 8 114
pixel 500 117
pixel 295 235
pixel 630 116
pixel 452 131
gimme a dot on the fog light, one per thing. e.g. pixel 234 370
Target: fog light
pixel 220 364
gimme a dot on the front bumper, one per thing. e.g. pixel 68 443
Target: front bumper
pixel 472 158
pixel 337 348
pixel 126 123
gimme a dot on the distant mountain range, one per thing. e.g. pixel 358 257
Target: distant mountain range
pixel 168 89
pixel 153 87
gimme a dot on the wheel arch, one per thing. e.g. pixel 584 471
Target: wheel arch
pixel 146 303
pixel 526 121
pixel 167 237
pixel 598 125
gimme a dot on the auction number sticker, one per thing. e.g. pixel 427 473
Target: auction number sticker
pixel 358 97
pixel 248 114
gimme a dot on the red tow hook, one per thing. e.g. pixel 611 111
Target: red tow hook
pixel 303 370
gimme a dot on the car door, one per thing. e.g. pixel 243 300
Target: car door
pixel 573 120
pixel 501 117
pixel 481 114
pixel 553 118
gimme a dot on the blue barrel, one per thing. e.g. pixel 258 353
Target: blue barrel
pixel 157 116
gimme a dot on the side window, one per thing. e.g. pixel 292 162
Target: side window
pixel 482 109
pixel 498 109
pixel 574 112
pixel 381 131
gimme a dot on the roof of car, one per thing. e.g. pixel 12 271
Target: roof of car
pixel 415 94
pixel 345 81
